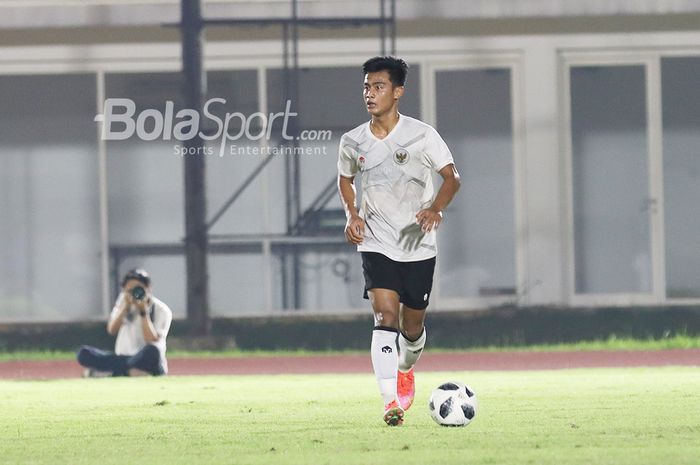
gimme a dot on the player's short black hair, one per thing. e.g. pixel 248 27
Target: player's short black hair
pixel 139 275
pixel 396 67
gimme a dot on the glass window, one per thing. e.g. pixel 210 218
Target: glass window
pixel 226 171
pixel 681 136
pixel 145 183
pixel 477 240
pixel 49 202
pixel 145 178
pixel 329 280
pixel 611 201
pixel 330 99
pixel 146 190
pixel 233 277
pixel 237 284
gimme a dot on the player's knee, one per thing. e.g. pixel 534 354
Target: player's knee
pixel 386 317
pixel 83 355
pixel 151 352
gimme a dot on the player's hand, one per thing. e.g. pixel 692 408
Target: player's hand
pixel 143 304
pixel 355 229
pixel 428 219
pixel 122 303
pixel 128 300
pixel 411 236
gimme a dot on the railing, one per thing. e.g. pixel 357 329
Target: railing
pixel 266 245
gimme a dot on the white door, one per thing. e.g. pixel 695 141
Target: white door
pixel 614 182
pixel 474 106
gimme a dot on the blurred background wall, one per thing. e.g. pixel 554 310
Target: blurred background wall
pixel 575 126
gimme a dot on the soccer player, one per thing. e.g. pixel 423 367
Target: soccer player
pixel 395 227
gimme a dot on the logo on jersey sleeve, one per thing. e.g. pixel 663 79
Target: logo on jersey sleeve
pixel 401 156
pixel 361 162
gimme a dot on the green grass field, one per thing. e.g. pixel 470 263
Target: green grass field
pixel 603 416
pixel 676 341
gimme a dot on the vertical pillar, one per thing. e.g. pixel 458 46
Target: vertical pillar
pixel 196 238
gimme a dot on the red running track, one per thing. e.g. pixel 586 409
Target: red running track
pixel 360 363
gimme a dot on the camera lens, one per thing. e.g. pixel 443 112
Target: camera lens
pixel 138 292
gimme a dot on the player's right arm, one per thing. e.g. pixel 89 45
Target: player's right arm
pixel 355 225
pixel 347 169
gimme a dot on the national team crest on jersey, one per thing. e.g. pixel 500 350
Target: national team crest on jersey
pixel 401 157
pixel 361 161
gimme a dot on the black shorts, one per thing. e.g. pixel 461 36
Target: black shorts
pixel 413 281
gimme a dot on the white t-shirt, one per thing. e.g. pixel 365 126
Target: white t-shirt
pixel 397 182
pixel 130 336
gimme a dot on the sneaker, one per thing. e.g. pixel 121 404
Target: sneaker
pixel 393 414
pixel 405 388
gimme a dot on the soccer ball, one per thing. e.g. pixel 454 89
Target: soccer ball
pixel 453 404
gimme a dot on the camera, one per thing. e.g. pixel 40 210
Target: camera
pixel 138 292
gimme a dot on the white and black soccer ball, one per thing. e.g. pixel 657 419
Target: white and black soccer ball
pixel 453 404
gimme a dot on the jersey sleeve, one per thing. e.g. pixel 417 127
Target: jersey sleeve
pixel 347 164
pixel 437 151
pixel 163 321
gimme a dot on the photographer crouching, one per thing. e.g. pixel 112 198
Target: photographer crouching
pixel 141 323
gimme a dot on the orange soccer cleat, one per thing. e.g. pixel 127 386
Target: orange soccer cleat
pixel 406 388
pixel 393 414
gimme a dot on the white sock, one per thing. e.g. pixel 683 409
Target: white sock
pixel 409 351
pixel 385 360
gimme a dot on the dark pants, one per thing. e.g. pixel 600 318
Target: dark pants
pixel 147 359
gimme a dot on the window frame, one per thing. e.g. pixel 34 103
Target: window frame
pixel 511 61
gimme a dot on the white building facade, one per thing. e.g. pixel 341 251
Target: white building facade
pixel 575 127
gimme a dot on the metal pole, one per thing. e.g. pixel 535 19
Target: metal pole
pixel 196 239
pixel 103 196
pixel 382 27
pixel 392 15
pixel 296 164
pixel 287 76
pixel 287 197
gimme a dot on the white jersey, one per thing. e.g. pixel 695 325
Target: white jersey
pixel 130 336
pixel 397 182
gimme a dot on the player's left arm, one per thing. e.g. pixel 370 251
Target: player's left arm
pixel 431 217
